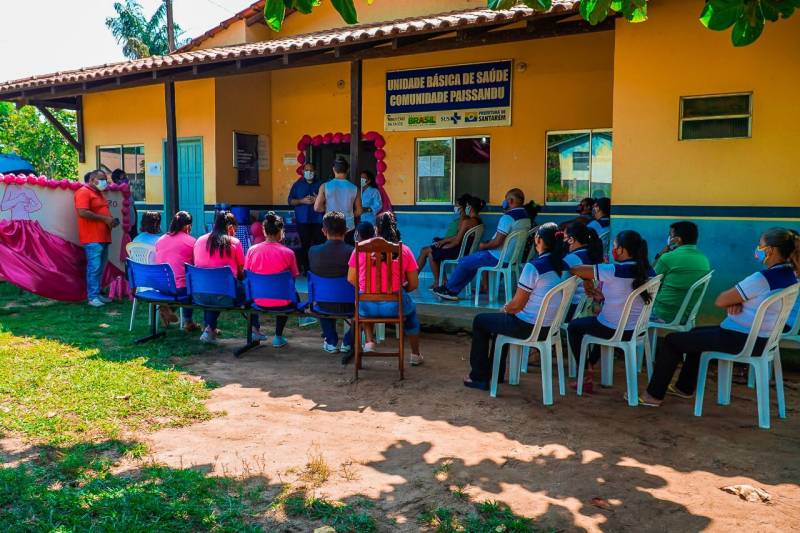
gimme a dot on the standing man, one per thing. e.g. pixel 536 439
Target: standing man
pixel 94 231
pixel 340 195
pixel 309 222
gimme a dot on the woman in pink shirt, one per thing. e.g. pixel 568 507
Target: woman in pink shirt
pixel 221 249
pixel 176 248
pixel 257 231
pixel 272 257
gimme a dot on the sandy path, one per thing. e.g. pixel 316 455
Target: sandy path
pixel 660 469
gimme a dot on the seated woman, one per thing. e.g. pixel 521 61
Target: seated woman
pixel 408 280
pixel 221 249
pixel 176 248
pixel 460 210
pixel 257 230
pixel 630 271
pixel 150 229
pixel 585 248
pixel 272 257
pixel 779 250
pixel 469 209
pixel 371 202
pixel 519 315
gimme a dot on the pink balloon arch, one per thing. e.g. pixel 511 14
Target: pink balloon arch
pixel 337 138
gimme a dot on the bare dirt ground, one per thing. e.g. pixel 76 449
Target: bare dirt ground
pixel 406 445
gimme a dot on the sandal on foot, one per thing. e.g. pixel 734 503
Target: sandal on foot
pixel 642 401
pixel 672 390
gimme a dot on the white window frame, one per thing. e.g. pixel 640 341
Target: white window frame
pixel 452 164
pixel 122 160
pixel 748 116
pixel 564 132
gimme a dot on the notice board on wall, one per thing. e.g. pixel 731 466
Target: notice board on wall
pixel 250 155
pixel 454 96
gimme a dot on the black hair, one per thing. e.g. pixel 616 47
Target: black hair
pixel 588 237
pixel 787 241
pixel 636 247
pixel 463 200
pixel 334 223
pixel 686 230
pixel 118 175
pixel 386 227
pixel 532 209
pixel 341 166
pixel 370 178
pixel 365 230
pixel 273 224
pixel 89 175
pixel 180 221
pixel 588 200
pixel 554 241
pixel 604 205
pixel 219 240
pixel 476 204
pixel 151 222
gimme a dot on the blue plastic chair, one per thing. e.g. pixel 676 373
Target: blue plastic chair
pixel 329 291
pixel 156 285
pixel 278 286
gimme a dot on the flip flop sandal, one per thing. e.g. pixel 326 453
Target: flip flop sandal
pixel 642 402
pixel 672 390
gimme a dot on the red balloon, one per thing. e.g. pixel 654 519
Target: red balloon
pixel 371 135
pixel 20 180
pixel 317 140
pixel 306 139
pixel 346 138
pixel 33 180
pixel 380 166
pixel 301 158
pixel 41 180
pixel 301 146
pixel 380 154
pixel 63 184
pixel 337 137
pixel 380 142
pixel 8 178
pixel 74 185
pixel 52 184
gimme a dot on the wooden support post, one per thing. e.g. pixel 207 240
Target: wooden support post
pixel 79 126
pixel 355 119
pixel 171 201
pixel 52 119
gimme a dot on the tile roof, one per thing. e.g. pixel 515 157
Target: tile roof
pixel 298 43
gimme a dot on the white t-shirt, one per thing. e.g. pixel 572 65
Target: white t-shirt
pixel 513 220
pixel 537 278
pixel 617 285
pixel 756 288
pixel 577 258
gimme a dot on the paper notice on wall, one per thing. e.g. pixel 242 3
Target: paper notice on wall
pixel 437 165
pixel 424 166
pixel 153 169
pixel 263 152
pixel 289 160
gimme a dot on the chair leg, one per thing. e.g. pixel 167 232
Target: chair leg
pixel 606 366
pixel 649 357
pixel 571 365
pixel 507 285
pixel 631 374
pixel 562 386
pixel 761 370
pixel 724 382
pixel 778 372
pixel 526 354
pixel 401 348
pixel 133 314
pixel 357 346
pixel 751 381
pixel 546 363
pixel 380 332
pixel 154 333
pixel 514 362
pixel 701 385
pixel 250 342
pixel 498 350
pixel 582 365
pixel 478 285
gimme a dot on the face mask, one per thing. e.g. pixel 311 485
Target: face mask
pixel 468 211
pixel 309 175
pixel 363 182
pixel 102 184
pixel 504 205
pixel 456 210
pixel 760 254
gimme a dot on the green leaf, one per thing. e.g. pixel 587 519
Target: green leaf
pixel 595 11
pixel 539 5
pixel 502 4
pixel 749 26
pixel 274 12
pixel 304 6
pixel 347 10
pixel 634 13
pixel 720 15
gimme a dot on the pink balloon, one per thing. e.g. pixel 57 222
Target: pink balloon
pixel 371 135
pixel 301 158
pixel 327 138
pixel 74 185
pixel 63 184
pixel 126 202
pixel 41 180
pixel 346 138
pixel 317 140
pixel 301 146
pixel 337 137
pixel 380 154
pixel 33 180
pixel 380 142
pixel 306 139
pixel 20 180
pixel 380 166
pixel 380 179
pixel 299 171
pixel 125 188
pixel 113 187
pixel 8 178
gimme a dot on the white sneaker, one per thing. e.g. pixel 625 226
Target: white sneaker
pixel 258 336
pixel 96 302
pixel 416 359
pixel 345 348
pixel 369 347
pixel 330 348
pixel 207 339
pixel 105 299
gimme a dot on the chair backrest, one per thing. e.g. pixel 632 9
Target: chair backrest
pixel 794 331
pixel 211 281
pixel 330 290
pixel 477 236
pixel 583 306
pixel 786 299
pixel 512 248
pixel 141 252
pixel 699 287
pixel 151 277
pixel 640 327
pixel 532 251
pixel 566 288
pixel 278 286
pixel 605 237
pixel 379 254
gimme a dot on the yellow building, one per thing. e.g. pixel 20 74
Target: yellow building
pixel 666 115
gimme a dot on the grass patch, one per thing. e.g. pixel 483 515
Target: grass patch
pixel 343 517
pixel 488 517
pixel 73 489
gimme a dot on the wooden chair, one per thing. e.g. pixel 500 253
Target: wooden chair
pixel 379 255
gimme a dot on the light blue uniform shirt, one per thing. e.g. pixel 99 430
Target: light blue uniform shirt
pixel 370 197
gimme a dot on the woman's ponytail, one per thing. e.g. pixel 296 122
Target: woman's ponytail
pixel 636 247
pixel 787 241
pixel 587 237
pixel 554 241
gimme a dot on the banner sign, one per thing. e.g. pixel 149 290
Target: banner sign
pixel 456 96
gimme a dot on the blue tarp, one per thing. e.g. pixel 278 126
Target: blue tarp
pixel 13 164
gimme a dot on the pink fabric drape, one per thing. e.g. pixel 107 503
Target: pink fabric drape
pixel 387 203
pixel 41 262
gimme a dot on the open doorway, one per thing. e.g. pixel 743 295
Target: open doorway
pixel 472 166
pixel 324 155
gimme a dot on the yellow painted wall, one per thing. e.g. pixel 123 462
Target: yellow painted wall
pixel 233 34
pixel 673 55
pixel 242 104
pixel 137 116
pixel 567 85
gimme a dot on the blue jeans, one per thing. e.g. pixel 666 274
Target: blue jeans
pixel 389 310
pixel 96 259
pixel 467 268
pixel 328 326
pixel 210 318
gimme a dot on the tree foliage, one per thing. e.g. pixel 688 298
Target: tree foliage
pixel 746 17
pixel 141 36
pixel 28 134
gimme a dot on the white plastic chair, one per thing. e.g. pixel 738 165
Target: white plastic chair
pixel 532 252
pixel 475 234
pixel 628 347
pixel 510 254
pixel 605 237
pixel 759 364
pixel 584 308
pixel 519 349
pixel 140 252
pixel 677 323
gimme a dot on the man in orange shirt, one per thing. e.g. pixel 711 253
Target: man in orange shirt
pixel 94 231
